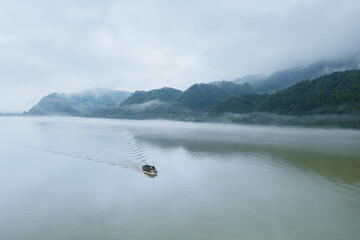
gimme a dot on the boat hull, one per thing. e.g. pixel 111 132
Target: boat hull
pixel 149 169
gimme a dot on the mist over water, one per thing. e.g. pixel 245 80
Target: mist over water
pixel 74 178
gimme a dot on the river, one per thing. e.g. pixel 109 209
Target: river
pixel 78 178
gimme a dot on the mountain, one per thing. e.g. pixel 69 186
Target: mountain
pixel 243 104
pixel 164 94
pixel 329 100
pixel 54 104
pixel 203 97
pixel 283 79
pixel 143 105
pixel 77 104
pixel 336 93
pixel 169 103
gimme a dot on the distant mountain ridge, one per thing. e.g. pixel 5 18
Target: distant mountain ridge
pixel 286 78
pixel 77 104
pixel 337 93
pixel 171 103
pixel 334 99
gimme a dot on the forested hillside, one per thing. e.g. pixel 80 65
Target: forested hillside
pixel 286 78
pixel 204 96
pixel 335 93
pixel 168 103
pixel 77 104
pixel 164 94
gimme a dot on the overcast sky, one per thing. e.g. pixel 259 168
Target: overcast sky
pixel 72 45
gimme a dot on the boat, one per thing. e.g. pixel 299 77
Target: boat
pixel 149 169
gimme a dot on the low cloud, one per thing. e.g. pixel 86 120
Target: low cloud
pixel 144 106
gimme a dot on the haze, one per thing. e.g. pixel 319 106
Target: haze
pixel 68 46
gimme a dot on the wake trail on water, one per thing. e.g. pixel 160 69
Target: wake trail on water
pixel 121 149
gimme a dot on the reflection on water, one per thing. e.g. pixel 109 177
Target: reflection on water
pixel 215 182
pixel 116 147
pixel 331 153
pixel 332 166
pixel 150 175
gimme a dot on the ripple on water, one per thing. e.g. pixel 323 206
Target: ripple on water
pixel 120 148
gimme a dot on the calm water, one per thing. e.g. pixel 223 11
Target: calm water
pixel 73 178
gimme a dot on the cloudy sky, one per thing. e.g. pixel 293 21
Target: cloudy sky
pixel 72 45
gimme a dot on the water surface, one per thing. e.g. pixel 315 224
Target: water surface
pixel 75 178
